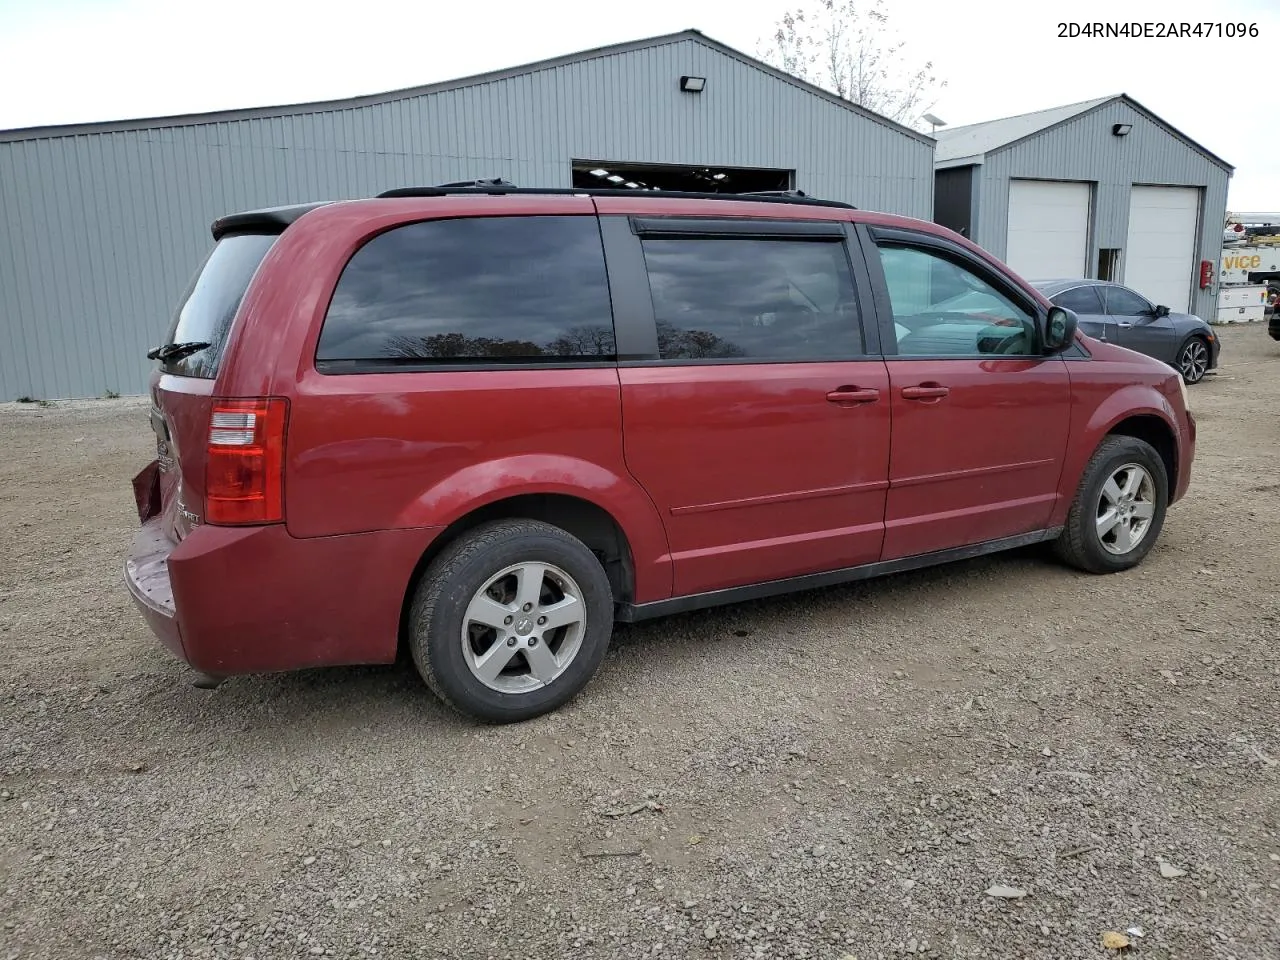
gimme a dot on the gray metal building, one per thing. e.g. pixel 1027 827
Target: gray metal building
pixel 101 225
pixel 1103 189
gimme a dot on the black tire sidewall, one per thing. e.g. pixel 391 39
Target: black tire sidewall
pixel 1182 351
pixel 442 634
pixel 1128 450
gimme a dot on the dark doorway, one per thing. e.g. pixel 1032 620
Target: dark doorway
pixel 1109 264
pixel 655 176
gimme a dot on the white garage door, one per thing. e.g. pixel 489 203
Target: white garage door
pixel 1048 229
pixel 1160 253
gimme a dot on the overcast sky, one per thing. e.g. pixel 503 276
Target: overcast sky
pixel 69 61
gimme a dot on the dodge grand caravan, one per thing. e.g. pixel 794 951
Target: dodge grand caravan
pixel 488 422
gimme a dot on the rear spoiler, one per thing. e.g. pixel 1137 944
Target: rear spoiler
pixel 266 220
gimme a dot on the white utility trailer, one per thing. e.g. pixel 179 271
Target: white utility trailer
pixel 1249 273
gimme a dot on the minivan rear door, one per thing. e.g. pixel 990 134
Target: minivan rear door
pixel 757 415
pixel 189 360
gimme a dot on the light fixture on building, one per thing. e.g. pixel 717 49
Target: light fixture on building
pixel 599 172
pixel 692 84
pixel 1121 129
pixel 934 122
pixel 614 178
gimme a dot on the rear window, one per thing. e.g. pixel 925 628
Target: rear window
pixel 1081 300
pixel 764 300
pixel 207 307
pixel 477 290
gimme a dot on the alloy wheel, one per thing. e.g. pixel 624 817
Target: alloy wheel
pixel 523 627
pixel 1194 361
pixel 1126 507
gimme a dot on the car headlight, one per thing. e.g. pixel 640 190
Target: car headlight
pixel 1182 388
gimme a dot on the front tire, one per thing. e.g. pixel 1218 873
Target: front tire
pixel 1193 360
pixel 511 620
pixel 1119 508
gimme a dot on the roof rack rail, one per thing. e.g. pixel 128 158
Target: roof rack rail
pixel 493 185
pixel 498 187
pixel 796 194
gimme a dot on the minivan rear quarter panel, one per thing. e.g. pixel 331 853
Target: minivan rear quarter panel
pixel 401 450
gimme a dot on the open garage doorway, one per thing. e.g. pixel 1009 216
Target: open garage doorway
pixel 695 179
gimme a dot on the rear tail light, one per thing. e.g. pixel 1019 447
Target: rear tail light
pixel 244 479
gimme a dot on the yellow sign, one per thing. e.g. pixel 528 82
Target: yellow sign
pixel 1241 262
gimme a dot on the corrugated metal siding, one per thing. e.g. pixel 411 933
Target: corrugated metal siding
pixel 953 199
pixel 100 232
pixel 1084 149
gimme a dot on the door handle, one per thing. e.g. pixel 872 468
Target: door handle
pixel 1123 325
pixel 925 391
pixel 852 395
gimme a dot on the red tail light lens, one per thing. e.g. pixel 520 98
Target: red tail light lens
pixel 244 478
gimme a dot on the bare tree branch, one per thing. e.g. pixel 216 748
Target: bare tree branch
pixel 849 48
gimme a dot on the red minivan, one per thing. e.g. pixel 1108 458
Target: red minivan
pixel 488 422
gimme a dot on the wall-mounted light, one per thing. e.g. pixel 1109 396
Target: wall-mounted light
pixel 1121 129
pixel 692 84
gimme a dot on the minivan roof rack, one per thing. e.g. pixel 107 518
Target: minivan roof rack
pixel 498 186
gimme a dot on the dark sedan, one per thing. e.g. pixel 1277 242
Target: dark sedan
pixel 1119 315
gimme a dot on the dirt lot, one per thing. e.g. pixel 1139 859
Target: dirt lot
pixel 843 773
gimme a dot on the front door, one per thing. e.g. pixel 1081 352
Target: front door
pixel 1137 326
pixel 980 416
pixel 760 427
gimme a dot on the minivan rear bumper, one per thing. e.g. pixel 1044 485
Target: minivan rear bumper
pixel 235 600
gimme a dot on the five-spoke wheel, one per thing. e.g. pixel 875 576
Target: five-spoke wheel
pixel 511 620
pixel 523 627
pixel 1118 509
pixel 1126 507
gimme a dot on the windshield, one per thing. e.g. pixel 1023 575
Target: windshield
pixel 207 307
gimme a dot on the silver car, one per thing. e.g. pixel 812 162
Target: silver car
pixel 1119 315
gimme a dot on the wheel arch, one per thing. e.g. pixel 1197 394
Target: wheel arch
pixel 1139 411
pixel 591 523
pixel 1156 431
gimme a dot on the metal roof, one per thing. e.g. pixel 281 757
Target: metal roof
pixel 77 129
pixel 977 139
pixel 962 146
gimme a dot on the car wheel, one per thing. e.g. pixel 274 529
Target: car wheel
pixel 1119 508
pixel 511 620
pixel 1193 360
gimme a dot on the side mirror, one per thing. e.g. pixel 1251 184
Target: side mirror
pixel 1162 311
pixel 1059 329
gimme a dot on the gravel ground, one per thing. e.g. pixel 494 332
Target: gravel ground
pixel 845 773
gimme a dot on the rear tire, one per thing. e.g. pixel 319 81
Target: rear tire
pixel 1119 508
pixel 511 620
pixel 1193 359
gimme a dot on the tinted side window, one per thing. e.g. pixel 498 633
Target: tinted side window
pixel 484 289
pixel 1125 303
pixel 759 299
pixel 943 308
pixel 1081 300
